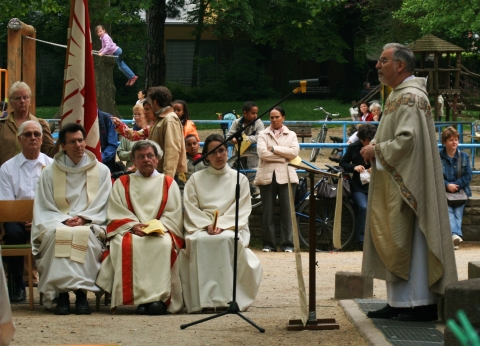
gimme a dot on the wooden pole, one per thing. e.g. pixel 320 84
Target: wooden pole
pixel 22 66
pixel 29 69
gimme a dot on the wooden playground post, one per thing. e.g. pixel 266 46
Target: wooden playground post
pixel 22 56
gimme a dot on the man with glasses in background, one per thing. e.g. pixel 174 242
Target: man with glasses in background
pixel 18 180
pixel 69 219
pixel 408 242
pixel 19 96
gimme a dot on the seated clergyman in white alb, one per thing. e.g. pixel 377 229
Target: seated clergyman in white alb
pixel 70 208
pixel 206 264
pixel 145 231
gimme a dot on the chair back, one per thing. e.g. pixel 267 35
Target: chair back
pixel 16 211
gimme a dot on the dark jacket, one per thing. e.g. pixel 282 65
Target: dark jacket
pixel 450 170
pixel 351 159
pixel 108 140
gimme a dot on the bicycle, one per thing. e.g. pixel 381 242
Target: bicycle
pixel 324 216
pixel 322 135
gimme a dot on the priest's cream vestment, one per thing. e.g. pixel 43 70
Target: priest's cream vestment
pixel 68 258
pixel 139 270
pixel 406 203
pixel 206 264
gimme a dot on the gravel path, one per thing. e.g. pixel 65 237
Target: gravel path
pixel 276 303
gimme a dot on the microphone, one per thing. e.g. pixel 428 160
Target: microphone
pixel 309 82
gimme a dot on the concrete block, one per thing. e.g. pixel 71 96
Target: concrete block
pixel 349 285
pixel 463 295
pixel 473 270
pixel 449 338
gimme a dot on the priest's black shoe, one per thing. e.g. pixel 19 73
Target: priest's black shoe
pixel 142 309
pixel 81 304
pixel 63 304
pixel 419 313
pixel 82 307
pixel 19 294
pixel 386 312
pixel 157 308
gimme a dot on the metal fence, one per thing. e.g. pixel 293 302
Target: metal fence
pixel 464 143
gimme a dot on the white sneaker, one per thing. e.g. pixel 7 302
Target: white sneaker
pixel 288 250
pixel 266 250
pixel 456 240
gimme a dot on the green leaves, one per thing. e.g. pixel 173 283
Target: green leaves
pixel 451 17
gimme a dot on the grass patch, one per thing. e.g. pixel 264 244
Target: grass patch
pixel 298 109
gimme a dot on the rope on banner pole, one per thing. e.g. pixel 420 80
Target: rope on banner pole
pixel 65 46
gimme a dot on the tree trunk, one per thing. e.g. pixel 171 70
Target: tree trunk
pixel 198 41
pixel 155 68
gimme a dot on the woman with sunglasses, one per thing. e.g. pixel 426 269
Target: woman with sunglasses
pixel 206 269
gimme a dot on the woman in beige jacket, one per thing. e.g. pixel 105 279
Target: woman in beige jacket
pixel 276 146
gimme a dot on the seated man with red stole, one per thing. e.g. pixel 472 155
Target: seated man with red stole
pixel 141 267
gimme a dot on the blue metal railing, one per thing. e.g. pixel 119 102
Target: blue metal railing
pixel 472 145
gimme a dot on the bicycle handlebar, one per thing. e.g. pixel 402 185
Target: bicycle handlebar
pixel 334 169
pixel 327 113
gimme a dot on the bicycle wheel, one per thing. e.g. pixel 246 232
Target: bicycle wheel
pixel 325 214
pixel 254 190
pixel 319 139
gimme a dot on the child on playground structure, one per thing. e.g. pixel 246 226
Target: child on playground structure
pixel 250 112
pixel 110 48
pixel 181 110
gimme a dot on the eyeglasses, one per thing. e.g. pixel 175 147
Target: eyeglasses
pixel 75 141
pixel 19 98
pixel 383 61
pixel 30 134
pixel 148 156
pixel 220 151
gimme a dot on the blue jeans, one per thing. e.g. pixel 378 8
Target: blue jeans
pixel 121 65
pixel 360 199
pixel 456 215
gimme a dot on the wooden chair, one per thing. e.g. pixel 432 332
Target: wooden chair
pixel 19 211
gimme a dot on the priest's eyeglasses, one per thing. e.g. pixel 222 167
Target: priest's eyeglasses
pixel 220 151
pixel 19 98
pixel 143 157
pixel 31 134
pixel 383 61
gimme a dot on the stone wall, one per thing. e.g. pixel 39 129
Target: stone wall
pixel 470 228
pixel 471 217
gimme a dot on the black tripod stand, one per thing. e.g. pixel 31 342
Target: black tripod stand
pixel 233 307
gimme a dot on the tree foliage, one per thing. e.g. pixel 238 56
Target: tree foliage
pixel 453 18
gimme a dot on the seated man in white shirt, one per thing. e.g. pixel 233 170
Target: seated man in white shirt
pixel 18 180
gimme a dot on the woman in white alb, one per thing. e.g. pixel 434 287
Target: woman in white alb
pixel 206 264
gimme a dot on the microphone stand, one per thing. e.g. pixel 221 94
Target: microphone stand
pixel 233 308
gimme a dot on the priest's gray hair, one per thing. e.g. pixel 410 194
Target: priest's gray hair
pixel 21 129
pixel 140 145
pixel 404 54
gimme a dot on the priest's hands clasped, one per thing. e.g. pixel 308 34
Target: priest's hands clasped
pixel 213 231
